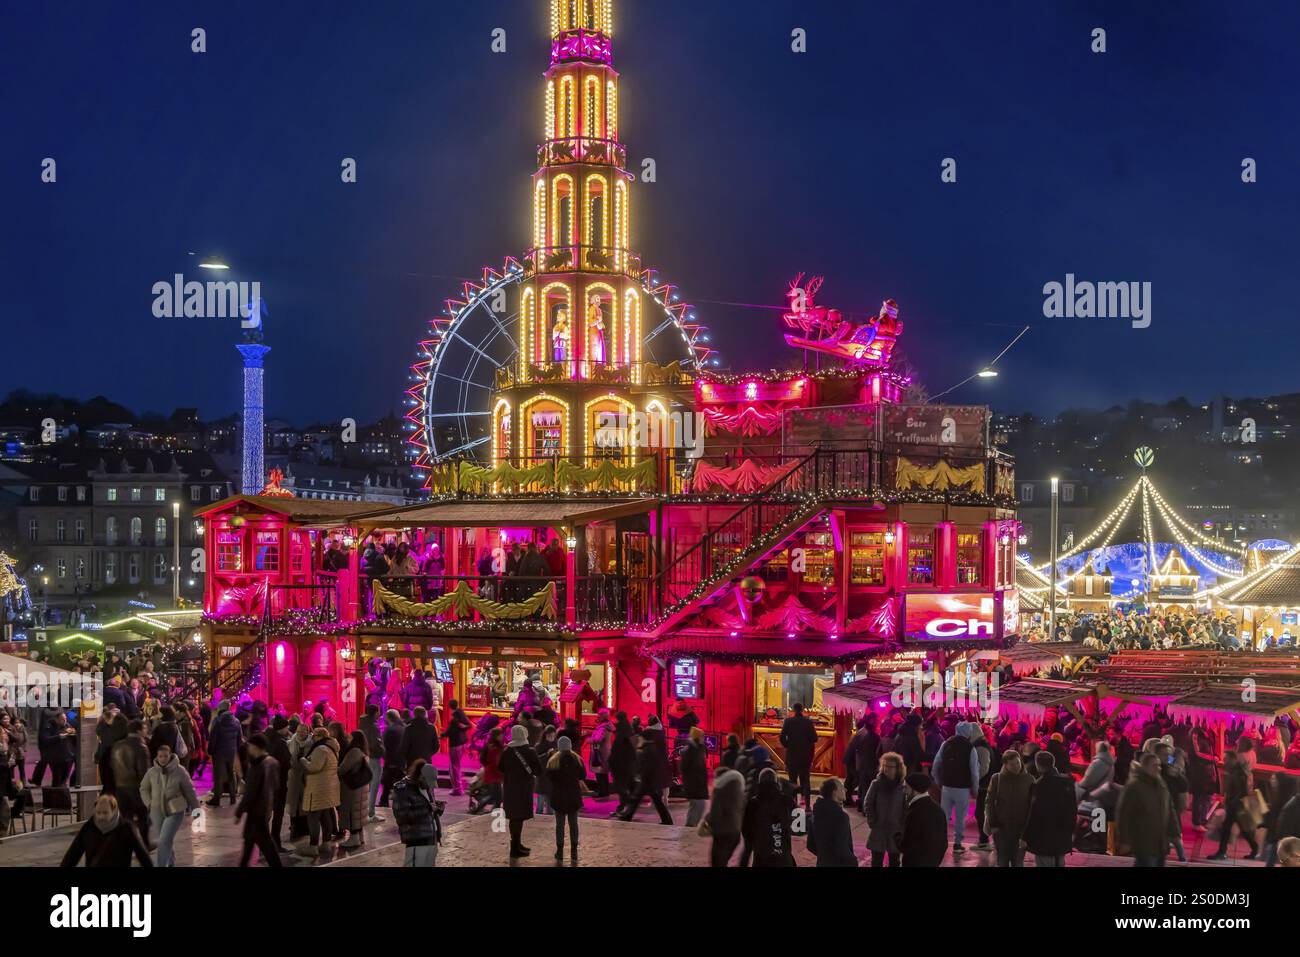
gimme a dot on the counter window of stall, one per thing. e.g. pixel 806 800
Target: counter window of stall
pixel 780 686
pixel 867 563
pixel 920 556
pixel 497 684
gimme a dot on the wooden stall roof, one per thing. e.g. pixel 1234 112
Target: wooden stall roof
pixel 1029 698
pixel 1030 654
pixel 1229 698
pixel 1276 585
pixel 853 697
pixel 1139 687
pixel 490 513
pixel 305 511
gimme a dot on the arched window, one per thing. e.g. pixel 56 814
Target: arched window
pixel 567 121
pixel 539 214
pixel 160 531
pixel 591 115
pixel 110 530
pixel 137 530
pixel 562 212
pixel 159 569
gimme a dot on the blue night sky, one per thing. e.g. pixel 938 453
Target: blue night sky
pixel 1122 166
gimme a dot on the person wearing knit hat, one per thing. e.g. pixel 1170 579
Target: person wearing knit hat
pixel 519 768
pixel 925 828
pixel 565 773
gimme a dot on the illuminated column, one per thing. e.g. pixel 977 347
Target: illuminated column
pixel 252 475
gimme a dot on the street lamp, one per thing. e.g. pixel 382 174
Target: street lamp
pixel 1051 633
pixel 176 554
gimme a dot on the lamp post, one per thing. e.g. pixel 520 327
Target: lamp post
pixel 176 554
pixel 1051 618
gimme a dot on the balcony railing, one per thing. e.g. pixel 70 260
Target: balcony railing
pixel 572 258
pixel 582 149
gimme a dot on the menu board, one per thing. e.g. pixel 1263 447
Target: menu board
pixel 686 677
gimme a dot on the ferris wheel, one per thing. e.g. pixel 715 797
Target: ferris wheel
pixel 449 402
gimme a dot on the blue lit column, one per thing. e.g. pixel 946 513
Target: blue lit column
pixel 252 475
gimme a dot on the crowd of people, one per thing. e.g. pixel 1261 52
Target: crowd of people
pixel 1140 630
pixel 926 781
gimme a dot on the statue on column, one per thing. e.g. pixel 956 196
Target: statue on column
pixel 560 336
pixel 596 326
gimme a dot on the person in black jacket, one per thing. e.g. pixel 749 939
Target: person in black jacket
pixel 167 732
pixel 224 739
pixel 925 830
pixel 799 738
pixel 261 782
pixel 831 837
pixel 394 770
pixel 369 727
pixel 566 772
pixel 1236 787
pixel 519 767
pixel 1053 808
pixel 277 746
pixel 58 743
pixel 457 738
pixel 767 824
pixel 648 776
pixel 417 818
pixel 693 761
pixel 107 840
pixel 420 739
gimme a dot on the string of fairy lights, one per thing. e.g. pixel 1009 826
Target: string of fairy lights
pixel 1183 532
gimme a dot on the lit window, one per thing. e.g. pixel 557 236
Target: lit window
pixel 112 495
pixel 34 493
pixel 137 494
pixel 266 554
pixel 970 557
pixel 63 567
pixel 137 530
pixel 63 493
pixel 920 556
pixel 110 531
pixel 230 547
pixel 81 493
pixel 867 565
pixel 160 495
pixel 60 531
pixel 81 531
pixel 160 531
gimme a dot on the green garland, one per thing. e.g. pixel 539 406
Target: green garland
pixel 462 602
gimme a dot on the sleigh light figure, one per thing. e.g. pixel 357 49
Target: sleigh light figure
pixel 826 330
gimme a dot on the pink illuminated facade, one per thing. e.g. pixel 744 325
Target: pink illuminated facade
pixel 741 541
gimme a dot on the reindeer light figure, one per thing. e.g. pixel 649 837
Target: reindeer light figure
pixel 825 330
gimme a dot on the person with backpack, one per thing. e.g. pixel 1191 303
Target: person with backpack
pixel 957 772
pixel 418 817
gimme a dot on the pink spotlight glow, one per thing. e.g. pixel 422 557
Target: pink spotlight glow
pixel 279 652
